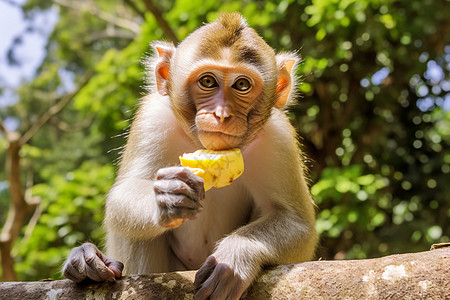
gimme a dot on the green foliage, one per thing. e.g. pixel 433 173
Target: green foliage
pixel 357 117
pixel 374 121
pixel 71 212
pixel 357 205
pixel 119 75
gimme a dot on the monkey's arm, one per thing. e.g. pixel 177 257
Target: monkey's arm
pixel 131 209
pixel 146 196
pixel 149 193
pixel 141 209
pixel 282 230
pixel 280 237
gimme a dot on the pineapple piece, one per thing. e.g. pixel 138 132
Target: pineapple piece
pixel 217 168
pixel 175 223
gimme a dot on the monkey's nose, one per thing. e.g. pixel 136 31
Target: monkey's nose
pixel 222 114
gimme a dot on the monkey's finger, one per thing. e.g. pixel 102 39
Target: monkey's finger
pixel 233 287
pixel 72 273
pixel 100 274
pixel 226 283
pixel 194 182
pixel 173 201
pixel 183 174
pixel 114 265
pixel 177 172
pixel 179 214
pixel 218 285
pixel 205 271
pixel 238 291
pixel 96 269
pixel 206 290
pixel 184 213
pixel 75 266
pixel 173 186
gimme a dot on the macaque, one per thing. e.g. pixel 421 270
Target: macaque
pixel 223 87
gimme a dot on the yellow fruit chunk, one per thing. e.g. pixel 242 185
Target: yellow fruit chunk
pixel 174 223
pixel 217 168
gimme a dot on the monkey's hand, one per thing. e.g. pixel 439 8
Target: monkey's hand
pixel 178 193
pixel 87 261
pixel 218 280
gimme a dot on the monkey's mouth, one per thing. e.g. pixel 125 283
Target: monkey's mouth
pixel 218 140
pixel 218 131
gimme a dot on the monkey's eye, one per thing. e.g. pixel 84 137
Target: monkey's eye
pixel 208 81
pixel 242 85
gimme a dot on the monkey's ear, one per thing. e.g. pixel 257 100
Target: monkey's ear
pixel 164 52
pixel 286 83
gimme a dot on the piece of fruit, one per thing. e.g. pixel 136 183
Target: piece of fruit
pixel 217 168
pixel 175 223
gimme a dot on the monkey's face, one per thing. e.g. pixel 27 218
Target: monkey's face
pixel 223 96
pixel 223 82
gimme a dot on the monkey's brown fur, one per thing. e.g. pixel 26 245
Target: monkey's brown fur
pixel 266 217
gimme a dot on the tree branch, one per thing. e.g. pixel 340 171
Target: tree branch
pixel 133 6
pixel 66 127
pixel 31 224
pixel 54 110
pixel 109 18
pixel 21 206
pixel 2 127
pixel 423 275
pixel 161 21
pixel 18 207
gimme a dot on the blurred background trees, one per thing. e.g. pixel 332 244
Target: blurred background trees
pixel 374 118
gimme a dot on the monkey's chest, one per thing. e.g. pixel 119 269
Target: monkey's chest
pixel 224 210
pixel 192 245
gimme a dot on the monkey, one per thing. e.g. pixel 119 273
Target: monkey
pixel 222 87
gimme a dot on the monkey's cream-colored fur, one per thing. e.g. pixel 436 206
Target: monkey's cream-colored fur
pixel 272 187
pixel 265 217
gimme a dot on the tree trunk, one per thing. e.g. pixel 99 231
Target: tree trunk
pixel 20 205
pixel 18 211
pixel 423 275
